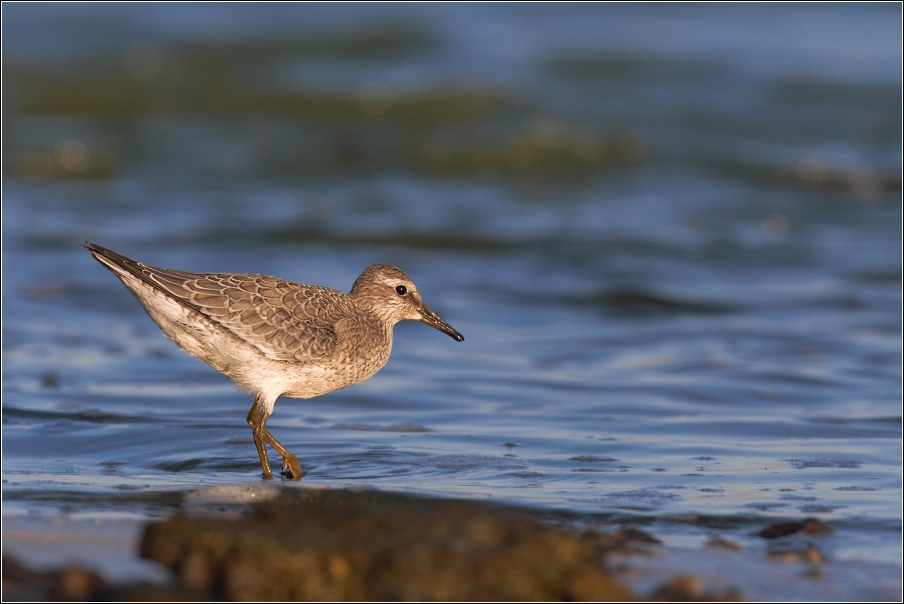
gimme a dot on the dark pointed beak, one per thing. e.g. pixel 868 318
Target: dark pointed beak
pixel 431 318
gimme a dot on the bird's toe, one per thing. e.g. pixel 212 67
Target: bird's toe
pixel 292 469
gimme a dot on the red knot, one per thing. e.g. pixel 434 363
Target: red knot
pixel 274 337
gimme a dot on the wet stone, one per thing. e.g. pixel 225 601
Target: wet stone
pixel 688 588
pixel 810 526
pixel 76 584
pixel 342 545
pixel 71 583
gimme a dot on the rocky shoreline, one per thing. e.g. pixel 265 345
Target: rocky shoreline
pixel 353 545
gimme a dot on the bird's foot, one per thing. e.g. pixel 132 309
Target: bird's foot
pixel 292 469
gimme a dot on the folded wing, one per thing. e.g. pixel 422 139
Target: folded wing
pixel 286 321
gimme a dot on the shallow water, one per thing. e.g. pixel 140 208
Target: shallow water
pixel 671 237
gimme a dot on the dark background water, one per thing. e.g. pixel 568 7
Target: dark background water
pixel 671 236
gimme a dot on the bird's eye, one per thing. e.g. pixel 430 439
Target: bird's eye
pixel 401 290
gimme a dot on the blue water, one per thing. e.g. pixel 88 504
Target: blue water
pixel 671 236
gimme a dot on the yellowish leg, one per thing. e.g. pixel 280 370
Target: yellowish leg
pixel 258 422
pixel 291 467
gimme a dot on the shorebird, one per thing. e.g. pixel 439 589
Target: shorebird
pixel 274 337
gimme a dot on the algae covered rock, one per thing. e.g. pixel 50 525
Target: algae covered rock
pixel 342 545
